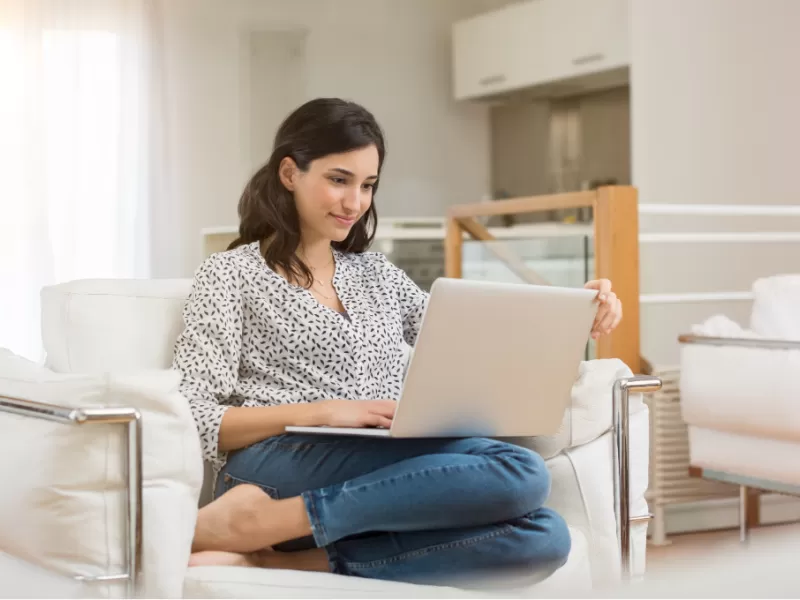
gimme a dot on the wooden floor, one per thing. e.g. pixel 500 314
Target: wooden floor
pixel 717 564
pixel 694 545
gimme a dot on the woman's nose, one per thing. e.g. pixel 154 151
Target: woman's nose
pixel 352 199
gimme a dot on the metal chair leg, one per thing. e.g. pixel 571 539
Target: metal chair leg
pixel 620 426
pixel 743 524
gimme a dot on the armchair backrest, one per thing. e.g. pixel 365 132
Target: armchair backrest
pixel 121 325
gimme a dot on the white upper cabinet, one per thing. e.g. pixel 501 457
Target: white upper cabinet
pixel 537 42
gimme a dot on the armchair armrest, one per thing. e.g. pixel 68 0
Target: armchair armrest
pixel 131 419
pixel 620 428
pixel 740 342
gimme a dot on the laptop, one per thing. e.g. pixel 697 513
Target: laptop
pixel 491 360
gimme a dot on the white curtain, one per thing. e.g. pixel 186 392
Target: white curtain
pixel 78 142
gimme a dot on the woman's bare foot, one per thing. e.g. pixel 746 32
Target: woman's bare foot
pixel 245 519
pixel 219 558
pixel 306 560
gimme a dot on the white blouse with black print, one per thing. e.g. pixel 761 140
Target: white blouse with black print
pixel 254 339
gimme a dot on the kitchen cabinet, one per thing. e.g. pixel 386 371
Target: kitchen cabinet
pixel 540 42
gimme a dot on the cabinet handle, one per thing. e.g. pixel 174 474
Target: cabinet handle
pixel 492 79
pixel 589 58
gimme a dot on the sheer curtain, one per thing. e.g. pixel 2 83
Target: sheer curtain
pixel 78 103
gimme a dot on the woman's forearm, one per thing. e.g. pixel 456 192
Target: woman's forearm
pixel 244 425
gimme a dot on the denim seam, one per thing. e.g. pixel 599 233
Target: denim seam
pixel 334 560
pixel 465 543
pixel 241 480
pixel 317 527
pixel 427 471
pixel 298 445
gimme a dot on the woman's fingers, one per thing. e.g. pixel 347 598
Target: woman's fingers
pixel 609 315
pixel 618 318
pixel 385 408
pixel 608 311
pixel 603 287
pixel 605 326
pixel 374 420
pixel 606 308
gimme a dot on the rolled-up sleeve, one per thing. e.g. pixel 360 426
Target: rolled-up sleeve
pixel 207 352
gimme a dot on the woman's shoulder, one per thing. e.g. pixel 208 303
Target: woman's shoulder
pixel 227 264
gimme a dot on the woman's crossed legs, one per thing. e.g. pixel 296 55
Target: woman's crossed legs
pixel 428 511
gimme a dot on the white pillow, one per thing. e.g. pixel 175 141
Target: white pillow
pixel 775 314
pixel 63 487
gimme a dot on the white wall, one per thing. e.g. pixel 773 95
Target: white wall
pixel 392 56
pixel 715 90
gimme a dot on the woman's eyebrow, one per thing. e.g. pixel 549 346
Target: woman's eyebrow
pixel 350 173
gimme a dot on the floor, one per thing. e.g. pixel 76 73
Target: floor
pixel 716 564
pixel 693 545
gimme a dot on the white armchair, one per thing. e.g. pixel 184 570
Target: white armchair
pixel 739 396
pixel 94 331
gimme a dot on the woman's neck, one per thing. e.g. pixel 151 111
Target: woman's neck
pixel 315 253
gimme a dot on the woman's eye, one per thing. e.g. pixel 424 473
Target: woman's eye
pixel 338 180
pixel 368 186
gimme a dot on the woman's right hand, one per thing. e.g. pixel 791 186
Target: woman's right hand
pixel 353 413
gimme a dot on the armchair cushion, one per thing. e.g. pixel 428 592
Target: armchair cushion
pixel 742 390
pixel 63 507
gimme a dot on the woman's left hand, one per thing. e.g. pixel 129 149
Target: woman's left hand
pixel 609 313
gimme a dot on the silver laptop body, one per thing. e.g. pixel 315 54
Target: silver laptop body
pixel 491 360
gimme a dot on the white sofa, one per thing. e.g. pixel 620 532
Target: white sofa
pixel 103 327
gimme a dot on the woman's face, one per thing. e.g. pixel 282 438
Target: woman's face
pixel 334 193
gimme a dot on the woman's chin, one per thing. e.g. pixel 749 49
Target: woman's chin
pixel 339 234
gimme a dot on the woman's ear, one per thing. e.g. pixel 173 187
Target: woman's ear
pixel 287 171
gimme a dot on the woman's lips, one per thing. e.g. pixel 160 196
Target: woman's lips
pixel 344 220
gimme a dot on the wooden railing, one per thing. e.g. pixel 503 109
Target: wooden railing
pixel 616 248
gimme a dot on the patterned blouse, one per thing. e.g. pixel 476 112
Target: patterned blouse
pixel 254 339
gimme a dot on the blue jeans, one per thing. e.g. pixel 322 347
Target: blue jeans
pixel 440 511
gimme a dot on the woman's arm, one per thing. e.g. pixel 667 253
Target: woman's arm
pixel 207 351
pixel 243 426
pixel 412 300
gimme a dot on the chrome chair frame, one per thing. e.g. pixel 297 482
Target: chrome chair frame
pixel 131 419
pixel 622 493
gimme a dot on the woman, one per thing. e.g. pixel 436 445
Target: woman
pixel 298 325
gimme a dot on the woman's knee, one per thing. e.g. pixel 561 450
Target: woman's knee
pixel 528 480
pixel 544 540
pixel 560 539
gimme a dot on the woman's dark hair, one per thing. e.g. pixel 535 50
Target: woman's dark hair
pixel 267 210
